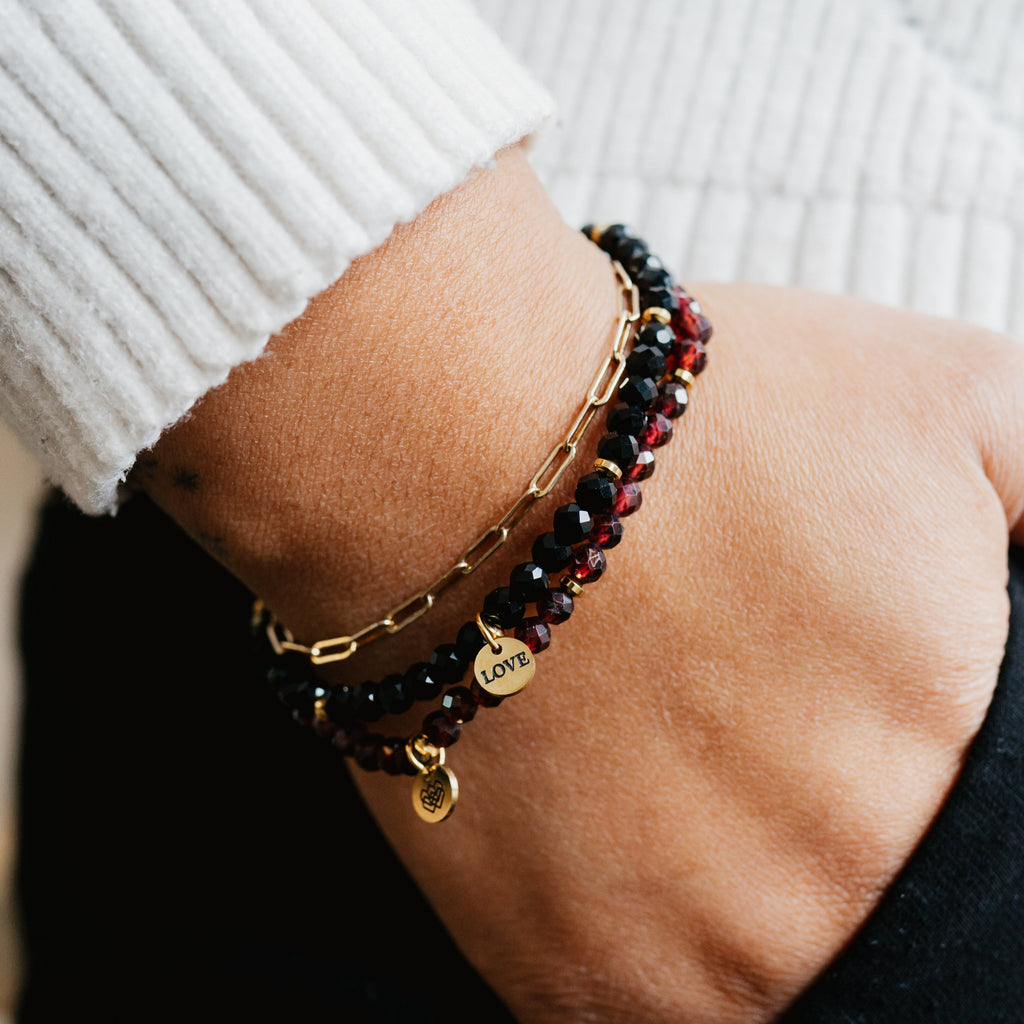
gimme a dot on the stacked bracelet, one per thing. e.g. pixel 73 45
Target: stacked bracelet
pixel 647 389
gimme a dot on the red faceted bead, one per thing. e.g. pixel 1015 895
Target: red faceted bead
pixel 658 430
pixel 689 321
pixel 483 697
pixel 688 355
pixel 628 497
pixel 535 633
pixel 673 400
pixel 458 704
pixel 588 563
pixel 643 467
pixel 607 530
pixel 556 606
pixel 345 737
pixel 440 729
pixel 366 751
pixel 393 759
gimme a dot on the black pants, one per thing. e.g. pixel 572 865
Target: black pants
pixel 188 853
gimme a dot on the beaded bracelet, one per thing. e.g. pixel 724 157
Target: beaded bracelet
pixel 652 384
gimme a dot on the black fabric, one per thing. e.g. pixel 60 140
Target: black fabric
pixel 188 853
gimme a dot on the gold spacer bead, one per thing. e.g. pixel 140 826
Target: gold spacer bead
pixel 609 467
pixel 684 377
pixel 568 583
pixel 663 316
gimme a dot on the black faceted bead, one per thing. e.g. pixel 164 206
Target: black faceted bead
pixel 369 703
pixel 396 694
pixel 301 696
pixel 639 391
pixel 595 492
pixel 468 641
pixel 340 705
pixel 290 667
pixel 502 607
pixel 550 553
pixel 633 254
pixel 646 361
pixel 571 524
pixel 528 581
pixel 426 684
pixel 626 419
pixel 659 336
pixel 613 236
pixel 449 665
pixel 654 277
pixel 622 449
pixel 666 298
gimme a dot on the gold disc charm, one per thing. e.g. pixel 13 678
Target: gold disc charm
pixel 505 668
pixel 434 793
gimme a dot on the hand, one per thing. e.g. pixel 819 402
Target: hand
pixel 750 721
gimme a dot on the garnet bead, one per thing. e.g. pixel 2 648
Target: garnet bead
pixel 607 530
pixel 622 449
pixel 458 704
pixel 639 391
pixel 626 419
pixel 689 321
pixel 535 633
pixel 643 467
pixel 393 759
pixel 366 751
pixel 502 607
pixel 595 492
pixel 555 606
pixel 345 737
pixel 658 430
pixel 588 563
pixel 673 400
pixel 629 498
pixel 550 553
pixel 688 355
pixel 528 581
pixel 440 729
pixel 483 697
pixel 571 524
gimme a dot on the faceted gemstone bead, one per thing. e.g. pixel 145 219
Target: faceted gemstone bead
pixel 345 736
pixel 448 665
pixel 366 751
pixel 657 335
pixel 556 606
pixel 595 492
pixel 528 581
pixel 626 419
pixel 613 236
pixel 629 498
pixel 622 449
pixel 571 524
pixel 665 298
pixel 301 697
pixel 673 400
pixel 339 704
pixel 688 355
pixel 643 468
pixel 440 729
pixel 424 681
pixel 646 361
pixel 689 320
pixel 639 391
pixel 535 633
pixel 458 704
pixel 290 667
pixel 633 254
pixel 550 553
pixel 658 430
pixel 654 277
pixel 324 727
pixel 393 759
pixel 369 702
pixel 588 563
pixel 502 607
pixel 607 531
pixel 483 697
pixel 468 641
pixel 396 694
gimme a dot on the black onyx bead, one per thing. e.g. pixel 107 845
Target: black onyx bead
pixel 613 236
pixel 290 667
pixel 369 702
pixel 424 681
pixel 588 230
pixel 550 553
pixel 449 665
pixel 468 641
pixel 633 254
pixel 659 336
pixel 646 361
pixel 595 492
pixel 666 298
pixel 571 524
pixel 396 694
pixel 528 581
pixel 641 392
pixel 654 277
pixel 556 606
pixel 301 696
pixel 501 606
pixel 622 449
pixel 339 705
pixel 626 419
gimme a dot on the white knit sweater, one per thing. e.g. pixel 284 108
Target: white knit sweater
pixel 181 176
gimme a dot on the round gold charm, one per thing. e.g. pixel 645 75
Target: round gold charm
pixel 506 670
pixel 434 793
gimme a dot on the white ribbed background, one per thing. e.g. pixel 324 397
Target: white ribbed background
pixel 868 147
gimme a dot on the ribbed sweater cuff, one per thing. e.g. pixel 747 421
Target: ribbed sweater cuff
pixel 180 178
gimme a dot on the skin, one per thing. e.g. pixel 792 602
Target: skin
pixel 749 723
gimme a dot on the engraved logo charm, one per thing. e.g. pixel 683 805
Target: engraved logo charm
pixel 434 793
pixel 506 670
